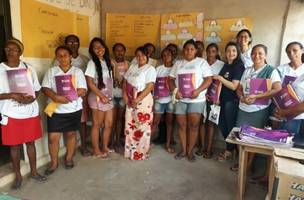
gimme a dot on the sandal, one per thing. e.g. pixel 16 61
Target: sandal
pixel 191 158
pixel 17 184
pixel 225 156
pixel 50 171
pixel 38 178
pixel 85 152
pixel 235 167
pixel 170 150
pixel 179 156
pixel 69 165
pixel 200 152
pixel 207 155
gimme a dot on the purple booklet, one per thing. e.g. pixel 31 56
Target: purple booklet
pixel 288 80
pixel 161 88
pixel 271 135
pixel 131 92
pixel 108 89
pixel 214 91
pixel 286 97
pixel 65 87
pixel 19 81
pixel 186 84
pixel 259 86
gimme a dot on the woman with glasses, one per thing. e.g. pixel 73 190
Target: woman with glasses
pixel 20 124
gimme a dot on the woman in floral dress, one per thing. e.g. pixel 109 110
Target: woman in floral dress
pixel 138 85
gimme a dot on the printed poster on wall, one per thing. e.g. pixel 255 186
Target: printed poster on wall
pixel 179 27
pixel 221 31
pixel 133 30
pixel 44 27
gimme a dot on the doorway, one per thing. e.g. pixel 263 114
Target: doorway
pixel 5 34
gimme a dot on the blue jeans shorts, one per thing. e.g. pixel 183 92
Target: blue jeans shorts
pixel 161 108
pixel 118 102
pixel 182 108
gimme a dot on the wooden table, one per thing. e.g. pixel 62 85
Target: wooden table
pixel 244 149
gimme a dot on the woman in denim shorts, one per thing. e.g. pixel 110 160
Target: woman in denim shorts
pixel 162 97
pixel 189 80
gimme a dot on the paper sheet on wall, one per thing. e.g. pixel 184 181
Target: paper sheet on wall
pixel 133 30
pixel 44 27
pixel 221 31
pixel 179 27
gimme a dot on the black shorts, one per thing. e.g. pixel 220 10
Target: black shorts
pixel 64 122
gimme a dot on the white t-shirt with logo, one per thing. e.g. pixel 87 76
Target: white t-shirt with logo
pixel 246 58
pixel 49 82
pixel 248 74
pixel 162 71
pixel 10 107
pixel 200 68
pixel 139 77
pixel 216 67
pixel 287 70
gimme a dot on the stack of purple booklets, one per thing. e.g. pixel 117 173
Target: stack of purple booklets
pixel 265 135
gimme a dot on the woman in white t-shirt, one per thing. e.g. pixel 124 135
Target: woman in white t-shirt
pixel 162 98
pixel 20 120
pixel 250 112
pixel 244 39
pixel 206 132
pixel 289 73
pixel 189 80
pixel 80 61
pixel 64 85
pixel 137 87
pixel 99 75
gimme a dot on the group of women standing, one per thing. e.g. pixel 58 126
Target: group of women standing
pixel 136 95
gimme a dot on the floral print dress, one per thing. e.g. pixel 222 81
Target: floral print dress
pixel 138 129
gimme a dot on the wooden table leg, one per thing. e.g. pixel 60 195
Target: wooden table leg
pixel 270 179
pixel 243 159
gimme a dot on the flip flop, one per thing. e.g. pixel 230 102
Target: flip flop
pixel 200 152
pixel 38 178
pixel 170 150
pixel 85 152
pixel 191 158
pixel 16 185
pixel 207 155
pixel 179 156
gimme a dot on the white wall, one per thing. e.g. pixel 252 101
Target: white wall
pixel 294 30
pixel 90 8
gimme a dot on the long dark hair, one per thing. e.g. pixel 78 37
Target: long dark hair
pixel 238 58
pixel 97 62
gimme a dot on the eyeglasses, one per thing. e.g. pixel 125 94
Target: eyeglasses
pixel 11 50
pixel 72 43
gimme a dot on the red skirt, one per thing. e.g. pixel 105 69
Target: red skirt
pixel 19 131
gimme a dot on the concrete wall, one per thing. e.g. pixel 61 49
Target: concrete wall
pixel 90 8
pixel 267 15
pixel 294 29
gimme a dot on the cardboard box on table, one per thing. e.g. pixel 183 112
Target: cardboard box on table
pixel 289 174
